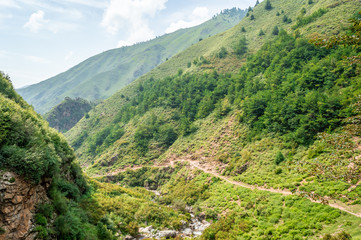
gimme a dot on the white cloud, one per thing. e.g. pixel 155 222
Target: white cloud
pixel 131 16
pixel 9 3
pixel 198 16
pixel 36 21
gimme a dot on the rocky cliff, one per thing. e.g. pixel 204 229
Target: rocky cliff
pixel 18 199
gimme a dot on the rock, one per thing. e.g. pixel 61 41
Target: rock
pixel 147 230
pixel 166 234
pixel 18 199
pixel 128 237
pixel 201 216
pixel 187 232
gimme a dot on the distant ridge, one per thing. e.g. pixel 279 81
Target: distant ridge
pixel 102 75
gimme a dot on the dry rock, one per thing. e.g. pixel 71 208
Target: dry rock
pixel 18 199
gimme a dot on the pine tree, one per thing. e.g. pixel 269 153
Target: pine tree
pixel 243 29
pixel 257 3
pixel 275 30
pixel 261 33
pixel 252 17
pixel 268 5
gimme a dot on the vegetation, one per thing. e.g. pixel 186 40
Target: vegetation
pixel 273 123
pixel 33 150
pixel 65 115
pixel 118 67
pixel 268 5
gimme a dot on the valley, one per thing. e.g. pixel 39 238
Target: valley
pixel 251 133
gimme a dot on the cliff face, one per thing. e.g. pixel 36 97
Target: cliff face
pixel 18 199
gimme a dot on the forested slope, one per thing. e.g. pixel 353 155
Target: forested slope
pixel 286 119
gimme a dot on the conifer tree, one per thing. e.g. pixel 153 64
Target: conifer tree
pixel 275 30
pixel 268 5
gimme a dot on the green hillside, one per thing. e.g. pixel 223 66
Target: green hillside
pixel 41 155
pixel 255 136
pixel 77 207
pixel 102 75
pixel 67 113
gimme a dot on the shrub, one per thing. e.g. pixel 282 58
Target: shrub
pixel 46 210
pixel 41 220
pixel 279 158
pixel 222 53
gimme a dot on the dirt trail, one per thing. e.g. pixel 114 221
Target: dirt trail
pixel 197 165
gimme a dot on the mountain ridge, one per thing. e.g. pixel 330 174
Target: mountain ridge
pixel 102 75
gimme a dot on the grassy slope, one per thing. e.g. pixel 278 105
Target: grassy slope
pixel 104 114
pixel 102 75
pixel 222 143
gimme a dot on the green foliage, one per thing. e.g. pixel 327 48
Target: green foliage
pixel 2 231
pixel 66 114
pixel 279 158
pixel 241 48
pixel 222 53
pixel 304 20
pixel 268 5
pixel 118 67
pixel 252 17
pixel 286 19
pixel 338 236
pixel 41 220
pixel 261 33
pixel 275 31
pixel 243 29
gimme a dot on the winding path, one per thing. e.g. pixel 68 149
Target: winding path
pixel 195 164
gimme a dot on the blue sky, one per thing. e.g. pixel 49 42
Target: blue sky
pixel 42 38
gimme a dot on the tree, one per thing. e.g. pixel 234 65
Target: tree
pixel 252 17
pixel 222 53
pixel 261 33
pixel 310 2
pixel 279 158
pixel 275 31
pixel 268 5
pixel 257 3
pixel 243 29
pixel 241 47
pixel 352 39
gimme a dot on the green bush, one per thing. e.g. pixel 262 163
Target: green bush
pixel 279 158
pixel 40 220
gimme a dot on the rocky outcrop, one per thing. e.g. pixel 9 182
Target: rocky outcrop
pixel 18 199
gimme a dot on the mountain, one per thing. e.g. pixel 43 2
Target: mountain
pixel 44 194
pixel 67 113
pixel 260 130
pixel 102 75
pixel 40 184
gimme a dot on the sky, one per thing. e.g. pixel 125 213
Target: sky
pixel 42 38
